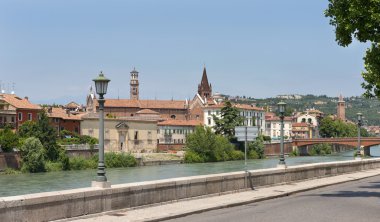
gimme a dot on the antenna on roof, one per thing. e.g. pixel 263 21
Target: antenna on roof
pixel 13 88
pixel 2 87
pixel 118 94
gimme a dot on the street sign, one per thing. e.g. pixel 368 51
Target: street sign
pixel 244 133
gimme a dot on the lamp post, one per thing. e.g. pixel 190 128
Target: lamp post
pixel 101 84
pixel 360 120
pixel 281 108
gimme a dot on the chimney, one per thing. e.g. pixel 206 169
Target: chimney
pixel 27 98
pixel 50 109
pixel 68 112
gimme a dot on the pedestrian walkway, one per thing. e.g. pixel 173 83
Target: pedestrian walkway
pixel 191 206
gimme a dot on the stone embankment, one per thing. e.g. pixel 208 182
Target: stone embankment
pixel 77 202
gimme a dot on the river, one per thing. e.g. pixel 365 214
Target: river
pixel 11 185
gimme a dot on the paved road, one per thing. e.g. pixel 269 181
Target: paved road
pixel 354 201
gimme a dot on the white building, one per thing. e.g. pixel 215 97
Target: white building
pixel 307 118
pixel 253 116
pixel 171 134
pixel 273 127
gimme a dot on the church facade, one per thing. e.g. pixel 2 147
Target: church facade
pixel 167 109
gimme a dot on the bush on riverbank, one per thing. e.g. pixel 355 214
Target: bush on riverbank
pixel 256 148
pixel 33 156
pixel 320 150
pixel 112 160
pixel 205 146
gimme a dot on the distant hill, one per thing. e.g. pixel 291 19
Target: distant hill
pixel 369 107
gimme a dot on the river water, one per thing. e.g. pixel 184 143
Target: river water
pixel 11 185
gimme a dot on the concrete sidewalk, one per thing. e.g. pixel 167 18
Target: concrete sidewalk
pixel 191 206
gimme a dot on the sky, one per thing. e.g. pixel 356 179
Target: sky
pixel 51 50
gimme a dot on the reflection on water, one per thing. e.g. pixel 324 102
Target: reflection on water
pixel 11 185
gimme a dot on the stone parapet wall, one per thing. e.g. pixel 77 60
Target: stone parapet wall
pixel 78 202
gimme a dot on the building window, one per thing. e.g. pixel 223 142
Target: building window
pixel 172 116
pixel 56 120
pixel 209 121
pixel 30 117
pixel 62 128
pixel 12 119
pixel 91 132
pixel 19 116
pixel 136 137
pixel 76 129
pixel 197 117
pixel 149 135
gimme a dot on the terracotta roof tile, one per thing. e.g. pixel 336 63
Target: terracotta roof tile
pixel 173 122
pixel 18 102
pixel 145 104
pixel 147 111
pixel 248 107
pixel 61 113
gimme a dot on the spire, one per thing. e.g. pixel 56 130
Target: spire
pixel 204 81
pixel 204 88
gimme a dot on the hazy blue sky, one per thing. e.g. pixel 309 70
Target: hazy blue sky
pixel 52 50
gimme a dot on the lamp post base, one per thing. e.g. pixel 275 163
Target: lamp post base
pixel 281 166
pixel 102 184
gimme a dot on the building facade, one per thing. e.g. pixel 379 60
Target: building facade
pixel 172 133
pixel 64 119
pixel 252 115
pixel 273 127
pixel 302 130
pixel 137 134
pixel 14 111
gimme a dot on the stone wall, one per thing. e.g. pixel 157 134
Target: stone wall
pixel 78 202
pixel 9 160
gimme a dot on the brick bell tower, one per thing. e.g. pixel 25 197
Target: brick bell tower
pixel 204 88
pixel 341 109
pixel 134 84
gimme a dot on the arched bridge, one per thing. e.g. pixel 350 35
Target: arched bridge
pixel 364 141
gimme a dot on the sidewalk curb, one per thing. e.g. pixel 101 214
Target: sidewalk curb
pixel 252 201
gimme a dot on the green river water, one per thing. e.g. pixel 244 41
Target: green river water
pixel 19 184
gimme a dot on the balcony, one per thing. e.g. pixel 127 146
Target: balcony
pixel 7 112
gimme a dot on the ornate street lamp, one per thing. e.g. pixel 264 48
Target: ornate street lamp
pixel 101 84
pixel 360 121
pixel 281 108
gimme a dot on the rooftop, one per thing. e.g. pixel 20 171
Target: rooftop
pixel 19 103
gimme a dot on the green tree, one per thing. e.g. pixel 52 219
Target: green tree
pixel 8 140
pixel 33 155
pixel 337 128
pixel 28 129
pixel 359 19
pixel 45 133
pixel 256 148
pixel 230 118
pixel 203 145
